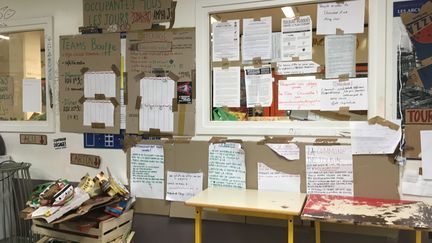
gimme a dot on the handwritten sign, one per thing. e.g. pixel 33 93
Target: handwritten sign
pixel 85 160
pixel 299 93
pixel 126 15
pixel 352 94
pixel 79 55
pixel 6 97
pixel 300 67
pixel 273 180
pixel 226 166
pixel 33 139
pixel 329 170
pixel 182 186
pixel 418 116
pixel 347 16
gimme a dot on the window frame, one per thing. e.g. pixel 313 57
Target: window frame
pixel 376 74
pixel 45 24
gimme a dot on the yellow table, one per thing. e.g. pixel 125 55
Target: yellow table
pixel 247 202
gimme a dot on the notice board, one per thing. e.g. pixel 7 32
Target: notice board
pixel 127 15
pixel 169 53
pixel 80 54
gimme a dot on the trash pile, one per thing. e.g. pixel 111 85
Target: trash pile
pixel 59 201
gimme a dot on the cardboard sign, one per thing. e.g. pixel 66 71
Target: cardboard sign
pixel 85 160
pixel 80 54
pixel 412 136
pixel 418 116
pixel 33 139
pixel 127 15
pixel 6 97
pixel 161 54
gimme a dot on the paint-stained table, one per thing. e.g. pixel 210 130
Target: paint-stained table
pixel 248 202
pixel 397 214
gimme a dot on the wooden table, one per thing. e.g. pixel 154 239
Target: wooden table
pixel 396 214
pixel 247 202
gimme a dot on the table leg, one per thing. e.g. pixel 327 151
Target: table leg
pixel 418 236
pixel 198 224
pixel 290 229
pixel 317 232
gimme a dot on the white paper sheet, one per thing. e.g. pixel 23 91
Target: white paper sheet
pixel 259 88
pixel 273 180
pixel 98 111
pixel 296 38
pixel 226 42
pixel 345 15
pixel 298 67
pixel 414 184
pixel 289 151
pixel 156 104
pixel 336 94
pixel 257 39
pixel 226 166
pixel 226 87
pixel 426 153
pixel 374 139
pixel 340 55
pixel 100 83
pixel 182 186
pixel 122 111
pixel 32 95
pixel 299 93
pixel 276 46
pixel 147 171
pixel 329 170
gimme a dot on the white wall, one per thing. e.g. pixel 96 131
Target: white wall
pixel 48 163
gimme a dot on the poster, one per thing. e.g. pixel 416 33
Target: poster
pixel 126 15
pixel 80 54
pixel 159 54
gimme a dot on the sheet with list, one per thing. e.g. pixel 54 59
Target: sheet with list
pixel 329 170
pixel 259 86
pixel 181 185
pixel 296 38
pixel 156 104
pixel 226 40
pixel 98 111
pixel 340 55
pixel 226 87
pixel 257 39
pixel 99 83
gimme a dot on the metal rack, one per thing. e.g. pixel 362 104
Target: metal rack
pixel 15 188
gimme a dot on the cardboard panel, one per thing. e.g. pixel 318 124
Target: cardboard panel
pixel 120 15
pixel 160 53
pixel 78 54
pixel 412 147
pixel 155 206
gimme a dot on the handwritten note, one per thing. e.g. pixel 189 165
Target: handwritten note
pixel 300 67
pixel 329 170
pixel 147 171
pixel 6 96
pixel 374 139
pixel 426 153
pixel 99 83
pixel 259 88
pixel 352 94
pixel 340 55
pixel 298 93
pixel 98 111
pixel 226 40
pixel 226 166
pixel 226 87
pixel 347 16
pixel 32 95
pixel 289 151
pixel 273 180
pixel 182 186
pixel 257 39
pixel 297 38
pixel 156 104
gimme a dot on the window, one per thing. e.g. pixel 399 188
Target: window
pixel 26 70
pixel 270 120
